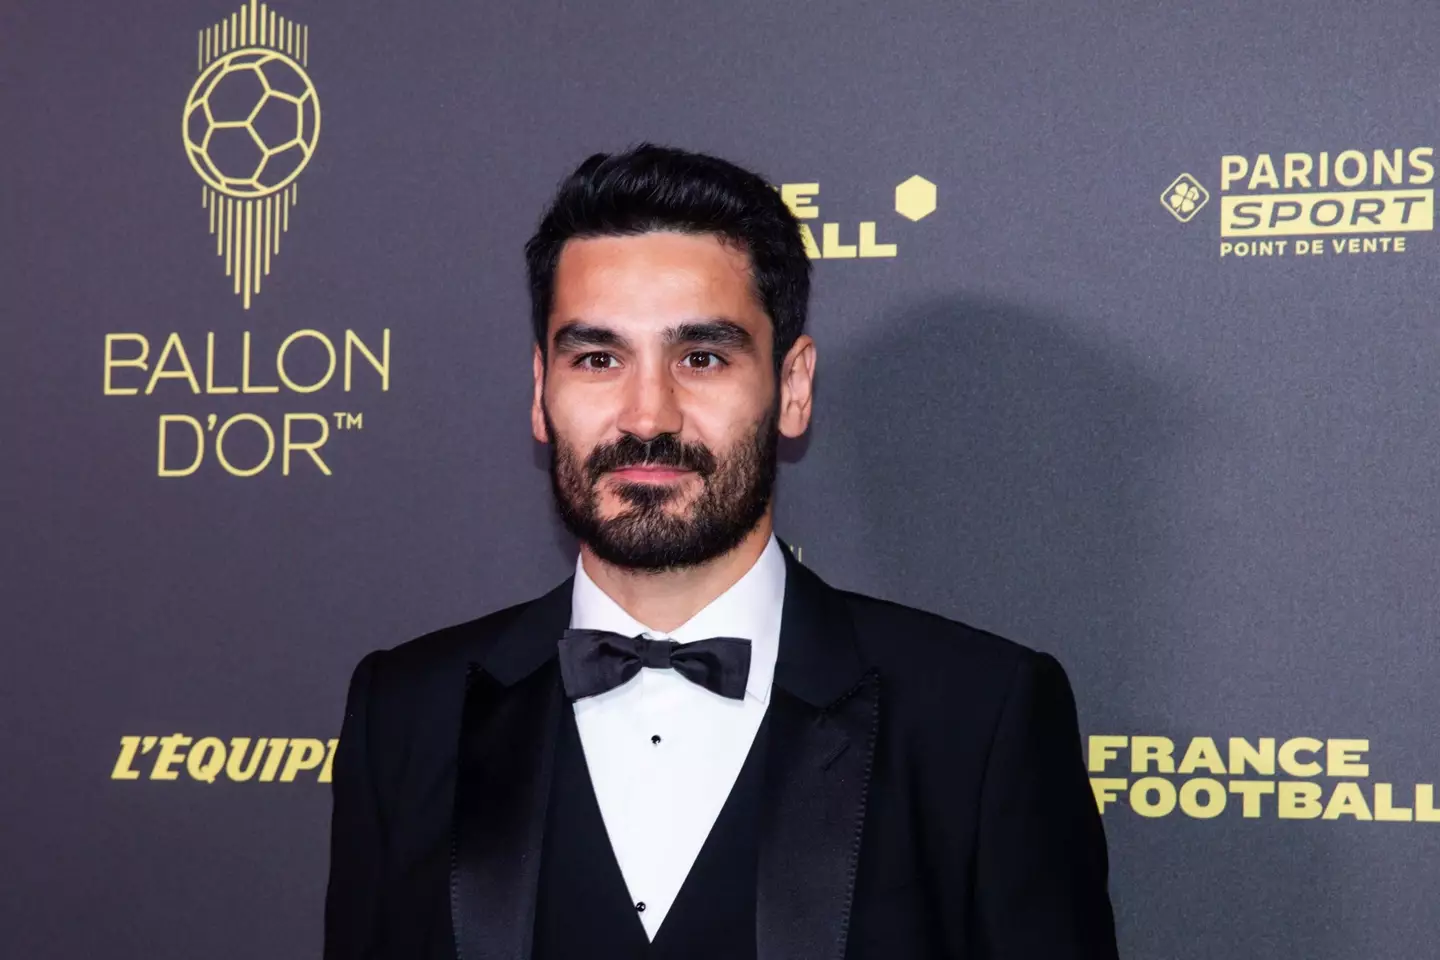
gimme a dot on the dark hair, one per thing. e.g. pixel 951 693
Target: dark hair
pixel 649 188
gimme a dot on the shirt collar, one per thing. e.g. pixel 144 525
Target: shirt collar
pixel 749 609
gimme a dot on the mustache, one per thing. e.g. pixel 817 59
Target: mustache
pixel 665 450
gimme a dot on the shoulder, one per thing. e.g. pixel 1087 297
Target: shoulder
pixel 954 692
pixel 424 666
pixel 459 641
pixel 932 663
pixel 892 635
pixel 407 700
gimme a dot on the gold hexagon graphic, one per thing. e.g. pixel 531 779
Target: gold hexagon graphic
pixel 915 198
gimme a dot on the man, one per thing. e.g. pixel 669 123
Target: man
pixel 695 747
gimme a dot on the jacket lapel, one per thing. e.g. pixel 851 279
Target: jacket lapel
pixel 513 704
pixel 824 717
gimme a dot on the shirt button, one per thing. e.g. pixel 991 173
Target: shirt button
pixel 655 738
pixel 640 906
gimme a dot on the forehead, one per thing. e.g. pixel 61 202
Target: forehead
pixel 654 276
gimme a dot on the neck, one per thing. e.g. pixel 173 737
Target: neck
pixel 666 600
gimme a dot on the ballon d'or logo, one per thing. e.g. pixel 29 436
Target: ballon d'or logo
pixel 251 123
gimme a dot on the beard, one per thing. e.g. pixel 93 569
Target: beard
pixel 734 494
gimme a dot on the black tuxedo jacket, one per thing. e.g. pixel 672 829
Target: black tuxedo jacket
pixel 924 794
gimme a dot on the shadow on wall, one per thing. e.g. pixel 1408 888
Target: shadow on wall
pixel 1012 470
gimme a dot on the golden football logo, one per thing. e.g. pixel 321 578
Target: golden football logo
pixel 251 123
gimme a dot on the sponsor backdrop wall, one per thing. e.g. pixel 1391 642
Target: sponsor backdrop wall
pixel 1129 351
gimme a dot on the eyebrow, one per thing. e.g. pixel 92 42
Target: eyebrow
pixel 715 332
pixel 711 332
pixel 576 335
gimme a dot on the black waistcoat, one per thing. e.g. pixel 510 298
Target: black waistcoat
pixel 584 909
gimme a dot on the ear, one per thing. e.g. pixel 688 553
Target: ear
pixel 537 413
pixel 797 387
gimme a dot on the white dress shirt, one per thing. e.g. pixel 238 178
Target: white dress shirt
pixel 663 752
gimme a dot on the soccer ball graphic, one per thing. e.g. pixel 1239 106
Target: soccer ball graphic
pixel 251 122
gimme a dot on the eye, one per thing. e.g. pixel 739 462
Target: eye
pixel 594 361
pixel 704 360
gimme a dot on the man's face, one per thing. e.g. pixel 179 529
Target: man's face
pixel 660 399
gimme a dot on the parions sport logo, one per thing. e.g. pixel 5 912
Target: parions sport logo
pixel 1324 203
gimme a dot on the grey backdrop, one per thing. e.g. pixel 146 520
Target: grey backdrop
pixel 1209 485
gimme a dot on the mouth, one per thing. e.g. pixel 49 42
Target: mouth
pixel 649 473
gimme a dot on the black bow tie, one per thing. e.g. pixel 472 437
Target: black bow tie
pixel 593 661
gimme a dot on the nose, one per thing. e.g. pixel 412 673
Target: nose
pixel 651 407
